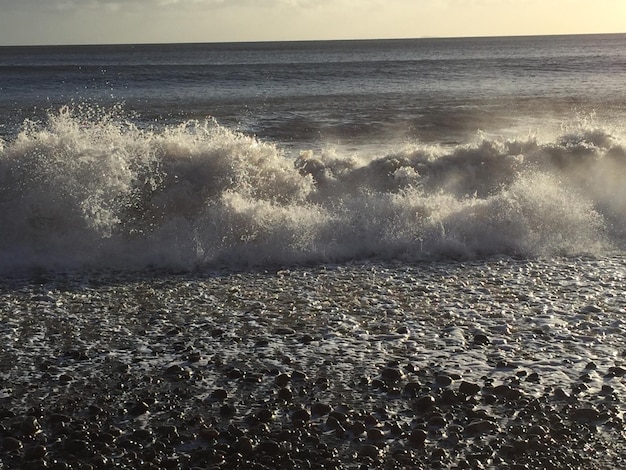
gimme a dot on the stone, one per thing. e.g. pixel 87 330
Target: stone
pixel 424 403
pixel 417 437
pixel 587 414
pixel 30 426
pixel 480 339
pixel 320 409
pixel 139 408
pixel 443 380
pixel 219 394
pixel 285 394
pixel 35 453
pixel 390 374
pixel 370 451
pixel 10 444
pixel 269 447
pixel 244 446
pixel 412 388
pixel 282 379
pixel 375 434
pixel 468 388
pixel 479 427
pixel 301 415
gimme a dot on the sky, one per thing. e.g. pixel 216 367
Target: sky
pixel 31 22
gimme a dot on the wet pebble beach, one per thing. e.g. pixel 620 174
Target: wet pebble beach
pixel 501 363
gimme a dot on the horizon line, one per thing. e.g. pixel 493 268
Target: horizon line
pixel 275 41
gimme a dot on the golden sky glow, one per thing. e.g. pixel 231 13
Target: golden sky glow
pixel 124 21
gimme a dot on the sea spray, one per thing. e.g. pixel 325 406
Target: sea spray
pixel 90 189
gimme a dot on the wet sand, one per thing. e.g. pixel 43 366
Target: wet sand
pixel 501 363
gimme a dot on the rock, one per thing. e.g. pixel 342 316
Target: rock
pixel 284 331
pixel 449 397
pixel 443 380
pixel 320 409
pixel 59 418
pixel 298 376
pixel 265 415
pixel 417 438
pixel 227 410
pixel 30 426
pixel 357 428
pixel 78 447
pixel 244 446
pixel 35 453
pixel 533 378
pixel 468 388
pixel 194 356
pixel 437 421
pixel 219 394
pixel 412 388
pixel 177 373
pixel 391 375
pixel 306 339
pixel 139 408
pixel 370 451
pixel 269 447
pixel 285 394
pixel 208 433
pixel 375 434
pixel 235 373
pixel 480 339
pixel 606 390
pixel 586 415
pixel 10 444
pixel 282 379
pixel 424 403
pixel 438 454
pixel 616 371
pixel 537 430
pixel 479 427
pixel 300 415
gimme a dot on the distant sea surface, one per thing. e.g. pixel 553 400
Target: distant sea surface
pixel 192 155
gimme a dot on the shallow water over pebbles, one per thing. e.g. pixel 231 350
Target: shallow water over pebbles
pixel 483 364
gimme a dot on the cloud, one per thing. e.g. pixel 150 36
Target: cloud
pixel 133 5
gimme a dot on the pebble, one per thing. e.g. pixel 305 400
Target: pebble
pixel 417 438
pixel 320 409
pixel 10 444
pixel 443 380
pixel 270 398
pixel 370 451
pixel 424 403
pixel 30 426
pixel 392 375
pixel 481 339
pixel 468 388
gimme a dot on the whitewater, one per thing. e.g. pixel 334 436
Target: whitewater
pixel 79 192
pixel 346 254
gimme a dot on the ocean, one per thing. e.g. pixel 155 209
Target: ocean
pixel 373 225
pixel 283 153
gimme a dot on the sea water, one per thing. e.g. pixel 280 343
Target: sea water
pixel 331 209
pixel 195 155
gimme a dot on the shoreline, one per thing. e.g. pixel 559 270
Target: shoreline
pixel 486 364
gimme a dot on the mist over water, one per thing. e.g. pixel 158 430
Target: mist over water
pixel 198 155
pixel 86 188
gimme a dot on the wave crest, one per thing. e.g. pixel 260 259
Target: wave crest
pixel 87 188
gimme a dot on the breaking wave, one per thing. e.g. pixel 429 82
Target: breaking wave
pixel 88 189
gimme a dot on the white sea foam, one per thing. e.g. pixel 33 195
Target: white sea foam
pixel 88 189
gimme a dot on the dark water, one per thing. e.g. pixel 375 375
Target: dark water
pixel 345 90
pixel 262 153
